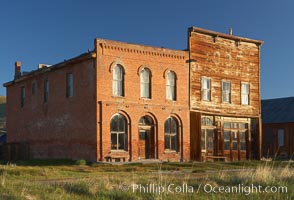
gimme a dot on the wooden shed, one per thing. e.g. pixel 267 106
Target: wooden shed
pixel 278 127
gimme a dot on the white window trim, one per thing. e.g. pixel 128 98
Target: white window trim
pixel 208 90
pixel 248 95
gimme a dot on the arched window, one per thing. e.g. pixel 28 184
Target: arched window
pixel 171 130
pixel 118 132
pixel 145 83
pixel 118 81
pixel 171 86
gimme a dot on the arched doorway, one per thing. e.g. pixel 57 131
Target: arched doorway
pixel 146 138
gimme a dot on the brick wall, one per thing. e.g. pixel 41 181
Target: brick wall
pixel 158 61
pixel 63 127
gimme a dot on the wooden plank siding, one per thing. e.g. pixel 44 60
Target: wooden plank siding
pixel 222 59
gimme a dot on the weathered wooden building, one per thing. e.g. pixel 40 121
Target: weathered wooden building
pixel 225 109
pixel 278 127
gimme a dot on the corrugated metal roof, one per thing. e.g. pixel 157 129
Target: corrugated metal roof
pixel 277 110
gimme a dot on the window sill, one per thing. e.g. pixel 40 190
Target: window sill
pixel 171 151
pixel 145 98
pixel 118 151
pixel 170 101
pixel 118 97
pixel 205 100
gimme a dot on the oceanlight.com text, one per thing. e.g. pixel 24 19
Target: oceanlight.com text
pixel 206 188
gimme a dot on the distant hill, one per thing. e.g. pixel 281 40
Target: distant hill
pixel 2 99
pixel 2 114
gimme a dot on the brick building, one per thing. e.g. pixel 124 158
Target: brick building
pixel 130 102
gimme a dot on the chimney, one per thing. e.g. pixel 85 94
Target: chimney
pixel 17 70
pixel 230 31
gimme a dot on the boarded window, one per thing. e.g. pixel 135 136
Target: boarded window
pixel 145 83
pixel 46 90
pixel 69 85
pixel 118 132
pixel 118 81
pixel 171 86
pixel 205 89
pixel 171 134
pixel 281 137
pixel 245 91
pixel 22 96
pixel 226 91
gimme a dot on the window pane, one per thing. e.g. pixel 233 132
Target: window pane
pixel 33 88
pixel 167 141
pixel 69 85
pixel 142 135
pixel 121 141
pixel 242 125
pixel 227 125
pixel 117 81
pixel 234 140
pixel 171 78
pixel 22 96
pixel 210 134
pixel 121 123
pixel 167 126
pixel 227 140
pixel 170 86
pixel 145 76
pixel 174 126
pixel 46 90
pixel 281 137
pixel 145 90
pixel 245 88
pixel 227 145
pixel 174 143
pixel 203 143
pixel 114 141
pixel 245 99
pixel 119 88
pixel 113 124
pixel 205 94
pixel 242 141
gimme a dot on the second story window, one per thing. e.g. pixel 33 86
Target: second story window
pixel 46 90
pixel 22 96
pixel 69 85
pixel 226 91
pixel 33 88
pixel 145 83
pixel 171 86
pixel 118 81
pixel 245 90
pixel 205 89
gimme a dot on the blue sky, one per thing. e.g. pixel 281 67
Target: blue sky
pixel 38 31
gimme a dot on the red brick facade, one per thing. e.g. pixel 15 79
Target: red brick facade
pixel 78 127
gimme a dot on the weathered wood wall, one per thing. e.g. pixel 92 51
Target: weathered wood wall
pixel 224 58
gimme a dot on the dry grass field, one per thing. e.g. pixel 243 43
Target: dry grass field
pixel 65 179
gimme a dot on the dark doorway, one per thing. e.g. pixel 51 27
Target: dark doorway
pixel 146 138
